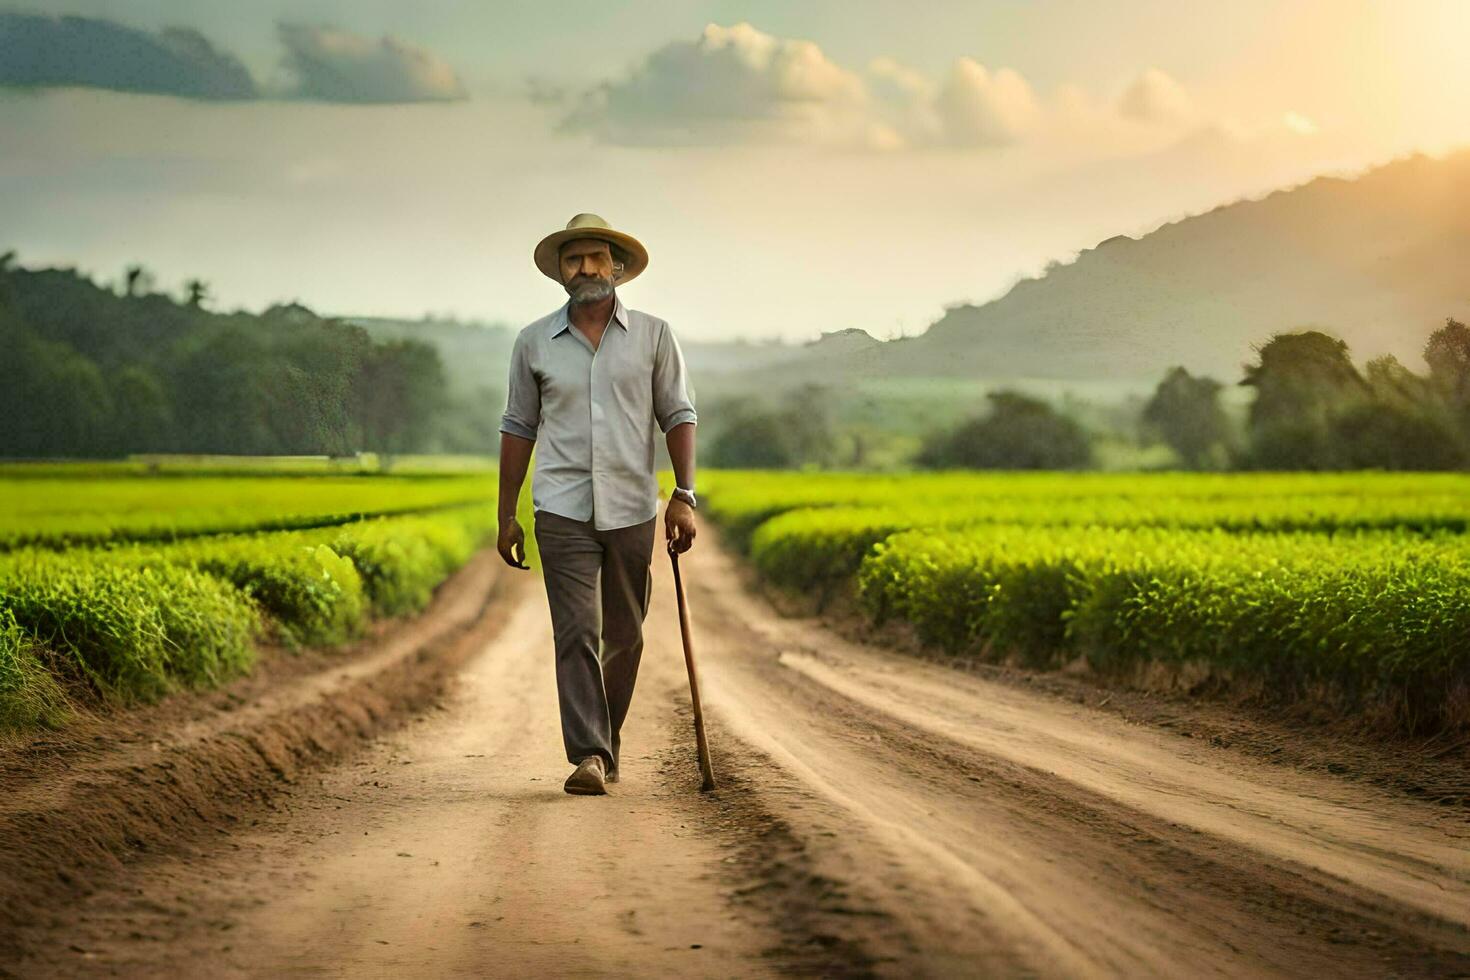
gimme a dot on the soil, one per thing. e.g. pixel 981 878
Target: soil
pixel 877 814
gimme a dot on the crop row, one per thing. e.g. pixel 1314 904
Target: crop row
pixel 1298 584
pixel 743 501
pixel 137 620
pixel 1371 618
pixel 57 512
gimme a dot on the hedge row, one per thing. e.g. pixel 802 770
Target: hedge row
pixel 62 512
pixel 1370 617
pixel 137 621
pixel 1354 583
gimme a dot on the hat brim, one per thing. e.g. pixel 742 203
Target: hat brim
pixel 548 258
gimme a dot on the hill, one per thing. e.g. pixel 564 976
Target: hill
pixel 90 373
pixel 1378 260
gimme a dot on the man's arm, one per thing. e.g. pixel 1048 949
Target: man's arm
pixel 673 403
pixel 518 428
pixel 673 407
pixel 515 459
pixel 680 440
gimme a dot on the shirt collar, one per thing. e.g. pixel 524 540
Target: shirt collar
pixel 563 319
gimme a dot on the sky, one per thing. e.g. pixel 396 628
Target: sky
pixel 791 167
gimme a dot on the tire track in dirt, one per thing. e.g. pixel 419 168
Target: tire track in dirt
pixel 1012 834
pixel 877 815
pixel 448 848
pixel 88 802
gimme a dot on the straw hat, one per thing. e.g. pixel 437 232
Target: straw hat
pixel 587 225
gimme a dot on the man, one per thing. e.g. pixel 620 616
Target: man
pixel 589 383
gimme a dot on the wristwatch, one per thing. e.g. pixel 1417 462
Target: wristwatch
pixel 680 493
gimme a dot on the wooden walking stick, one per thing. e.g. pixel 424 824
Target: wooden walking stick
pixel 705 769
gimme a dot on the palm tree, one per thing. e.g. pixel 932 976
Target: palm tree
pixel 198 291
pixel 137 280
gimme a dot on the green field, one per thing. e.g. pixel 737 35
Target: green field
pixel 1347 588
pixel 123 582
pixel 128 581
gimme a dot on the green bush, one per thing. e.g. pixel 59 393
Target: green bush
pixel 314 595
pixel 130 629
pixel 1370 615
pixel 402 560
pixel 139 620
pixel 29 694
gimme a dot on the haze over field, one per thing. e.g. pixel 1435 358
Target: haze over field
pixel 794 169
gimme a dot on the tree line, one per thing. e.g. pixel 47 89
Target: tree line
pixel 90 372
pixel 1314 410
pixel 1311 409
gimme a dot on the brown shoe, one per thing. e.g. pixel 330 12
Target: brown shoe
pixel 587 778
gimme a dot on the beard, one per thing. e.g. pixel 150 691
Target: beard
pixel 589 290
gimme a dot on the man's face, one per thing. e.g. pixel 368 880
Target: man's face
pixel 587 270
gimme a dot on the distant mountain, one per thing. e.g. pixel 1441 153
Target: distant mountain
pixel 1379 260
pixel 782 365
pixel 477 355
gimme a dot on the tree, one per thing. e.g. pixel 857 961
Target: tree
pixel 198 291
pixel 142 416
pixel 92 373
pixel 7 262
pixel 470 424
pixel 750 438
pixel 138 280
pixel 1395 436
pixel 401 391
pixel 54 400
pixel 1019 432
pixel 1186 412
pixel 1302 380
pixel 1390 382
pixel 1314 411
pixel 1448 356
pixel 797 431
pixel 219 386
pixel 811 432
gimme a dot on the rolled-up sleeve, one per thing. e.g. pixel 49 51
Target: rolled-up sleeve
pixel 673 403
pixel 522 415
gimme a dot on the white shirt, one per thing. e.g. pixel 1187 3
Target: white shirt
pixel 594 412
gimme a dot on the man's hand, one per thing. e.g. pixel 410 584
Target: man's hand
pixel 679 525
pixel 511 536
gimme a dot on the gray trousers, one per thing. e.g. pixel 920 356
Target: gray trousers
pixel 598 584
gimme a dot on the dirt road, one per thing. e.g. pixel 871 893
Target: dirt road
pixel 877 815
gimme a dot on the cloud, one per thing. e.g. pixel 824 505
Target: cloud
pixel 739 85
pixel 326 63
pixel 904 102
pixel 1299 124
pixel 334 65
pixel 1154 97
pixel 40 50
pixel 731 84
pixel 983 108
